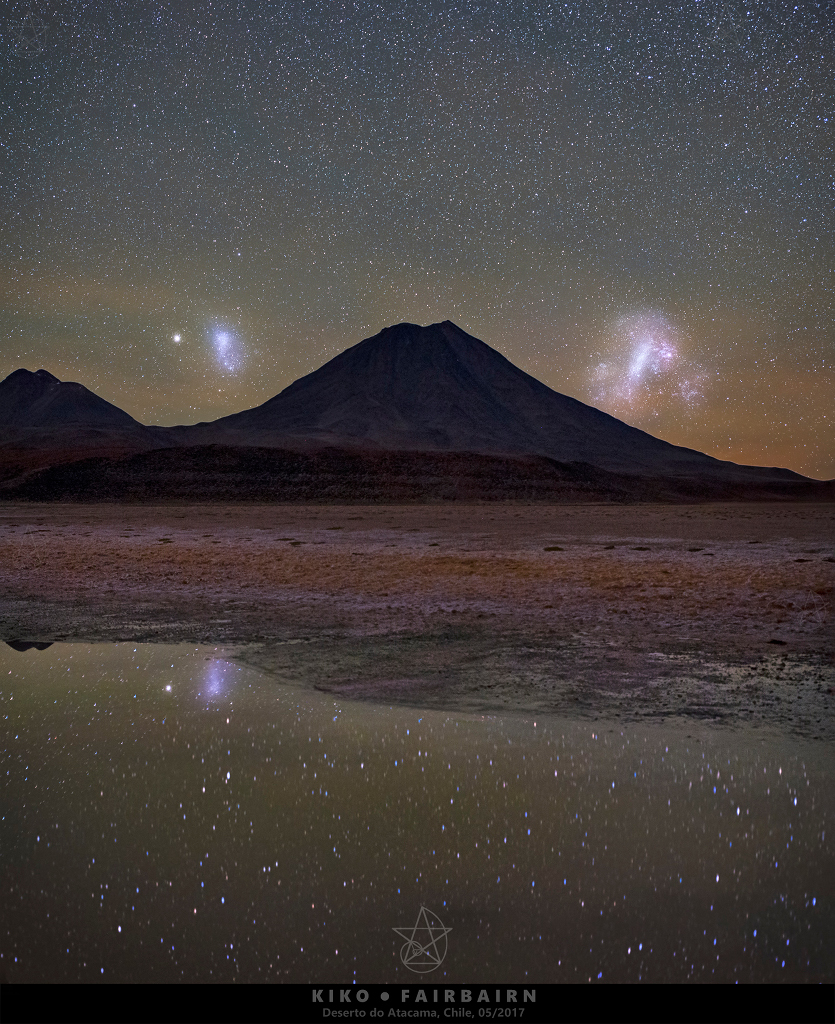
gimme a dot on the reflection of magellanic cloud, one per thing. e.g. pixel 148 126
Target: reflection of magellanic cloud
pixel 219 679
pixel 645 369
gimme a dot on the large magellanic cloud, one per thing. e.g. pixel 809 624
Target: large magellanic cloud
pixel 645 369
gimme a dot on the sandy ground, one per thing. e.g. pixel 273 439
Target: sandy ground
pixel 718 612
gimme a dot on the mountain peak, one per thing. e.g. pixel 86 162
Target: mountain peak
pixel 438 388
pixel 40 400
pixel 408 388
pixel 23 375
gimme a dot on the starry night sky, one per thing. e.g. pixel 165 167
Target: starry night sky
pixel 632 202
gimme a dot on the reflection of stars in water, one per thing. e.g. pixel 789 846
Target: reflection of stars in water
pixel 645 368
pixel 241 801
pixel 228 348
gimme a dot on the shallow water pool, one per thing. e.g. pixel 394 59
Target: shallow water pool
pixel 169 814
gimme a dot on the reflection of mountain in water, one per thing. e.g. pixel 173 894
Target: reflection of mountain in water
pixel 27 645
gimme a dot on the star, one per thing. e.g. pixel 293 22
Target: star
pixel 633 209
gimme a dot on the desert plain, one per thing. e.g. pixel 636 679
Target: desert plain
pixel 721 613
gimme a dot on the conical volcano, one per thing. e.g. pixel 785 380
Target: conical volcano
pixel 437 388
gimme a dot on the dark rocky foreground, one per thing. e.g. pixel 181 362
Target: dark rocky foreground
pixel 250 474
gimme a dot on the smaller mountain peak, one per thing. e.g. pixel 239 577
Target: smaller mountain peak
pixel 40 400
pixel 39 376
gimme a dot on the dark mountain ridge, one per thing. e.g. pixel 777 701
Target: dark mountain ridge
pixel 437 388
pixel 433 402
pixel 47 422
pixel 40 401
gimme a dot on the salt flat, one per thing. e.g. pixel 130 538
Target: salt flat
pixel 720 612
